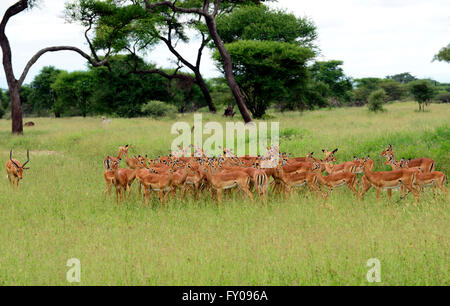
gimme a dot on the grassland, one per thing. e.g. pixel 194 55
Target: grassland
pixel 59 212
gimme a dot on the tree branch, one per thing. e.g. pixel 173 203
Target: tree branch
pixel 33 60
pixel 11 11
pixel 149 7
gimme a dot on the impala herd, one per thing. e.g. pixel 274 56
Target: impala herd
pixel 165 175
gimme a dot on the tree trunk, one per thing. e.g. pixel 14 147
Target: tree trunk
pixel 16 110
pixel 201 83
pixel 228 68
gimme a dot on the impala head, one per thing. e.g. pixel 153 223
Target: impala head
pixel 390 160
pixel 388 151
pixel 368 163
pixel 316 167
pixel 114 163
pixel 19 168
pixel 124 150
pixel 329 156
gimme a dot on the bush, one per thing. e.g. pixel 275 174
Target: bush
pixel 443 97
pixel 156 109
pixel 2 111
pixel 376 100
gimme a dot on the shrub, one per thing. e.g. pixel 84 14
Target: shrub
pixel 2 111
pixel 156 109
pixel 376 100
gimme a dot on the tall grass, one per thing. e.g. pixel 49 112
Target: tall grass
pixel 60 212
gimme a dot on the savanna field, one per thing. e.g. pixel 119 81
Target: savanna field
pixel 60 212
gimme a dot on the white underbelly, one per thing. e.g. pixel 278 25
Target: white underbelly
pixel 340 185
pixel 395 188
pixel 230 186
pixel 165 189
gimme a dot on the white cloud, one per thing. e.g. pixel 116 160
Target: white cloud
pixel 380 37
pixel 372 37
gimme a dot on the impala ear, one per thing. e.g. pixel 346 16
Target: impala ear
pixel 389 146
pixel 26 168
pixel 335 150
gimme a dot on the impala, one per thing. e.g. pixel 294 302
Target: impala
pixel 387 179
pixel 298 179
pixel 108 175
pixel 338 179
pixel 355 166
pixel 122 151
pixel 426 164
pixel 227 180
pixel 123 178
pixel 433 178
pixel 329 156
pixel 14 170
pixel 160 182
pixel 193 179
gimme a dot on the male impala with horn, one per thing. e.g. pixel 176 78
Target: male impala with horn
pixel 14 170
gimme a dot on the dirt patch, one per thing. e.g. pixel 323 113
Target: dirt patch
pixel 35 153
pixel 39 153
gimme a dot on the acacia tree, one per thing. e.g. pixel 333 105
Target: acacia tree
pixel 423 91
pixel 209 11
pixel 15 84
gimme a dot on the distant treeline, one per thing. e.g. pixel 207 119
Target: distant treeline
pixel 115 92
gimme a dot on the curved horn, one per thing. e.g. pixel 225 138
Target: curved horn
pixel 28 158
pixel 10 158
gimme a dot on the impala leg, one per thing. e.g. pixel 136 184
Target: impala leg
pixel 166 194
pixel 108 188
pixel 219 195
pixel 389 193
pixel 247 191
pixel 10 181
pixel 139 189
pixel 413 190
pixel 378 194
pixel 441 185
pixel 197 194
pixel 314 188
pixel 366 186
pixel 161 198
pixel 129 191
pixel 146 193
pixel 352 188
pixel 117 194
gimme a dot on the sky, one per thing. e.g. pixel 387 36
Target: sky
pixel 374 38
